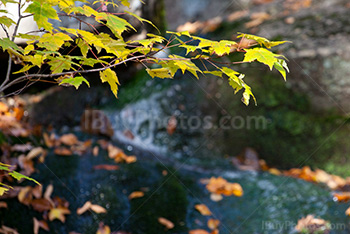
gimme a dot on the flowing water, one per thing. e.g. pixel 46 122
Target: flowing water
pixel 169 169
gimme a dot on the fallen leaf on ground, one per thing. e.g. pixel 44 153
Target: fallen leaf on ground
pixel 3 205
pixel 84 208
pixel 41 204
pixel 21 148
pixel 36 152
pixel 203 209
pixel 213 224
pixel 274 171
pixel 98 209
pixel 25 195
pixel 103 229
pixel 347 212
pixel 40 224
pixel 88 205
pixel 49 140
pixel 312 224
pixel 26 164
pixel 58 213
pixel 216 197
pixel 342 197
pixel 95 151
pixel 171 127
pixel 165 222
pixel 69 139
pixel 7 230
pixel 37 191
pixel 63 151
pixel 221 186
pixel 48 191
pixel 106 167
pixel 198 231
pixel 136 194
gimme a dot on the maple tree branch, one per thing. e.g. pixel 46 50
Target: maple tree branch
pixel 22 78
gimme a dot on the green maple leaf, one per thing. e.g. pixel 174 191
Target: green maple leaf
pixel 116 24
pixel 185 64
pixel 58 64
pixel 6 44
pixel 19 176
pixel 159 72
pixel 261 40
pixel 42 13
pixel 75 81
pixel 53 42
pixel 6 21
pixel 110 76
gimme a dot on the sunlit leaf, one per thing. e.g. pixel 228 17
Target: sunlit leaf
pixel 203 209
pixel 42 13
pixel 165 222
pixel 110 76
pixel 58 213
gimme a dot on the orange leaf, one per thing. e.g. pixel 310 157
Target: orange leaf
pixel 58 213
pixel 49 141
pixel 213 224
pixel 171 127
pixel 198 231
pixel 40 224
pixel 106 167
pixel 203 209
pixel 216 197
pixel 36 152
pixel 95 151
pixel 342 197
pixel 69 139
pixel 84 208
pixel 25 195
pixel 41 204
pixel 3 205
pixel 63 151
pixel 165 222
pixel 130 159
pixel 103 229
pixel 347 212
pixel 98 209
pixel 136 194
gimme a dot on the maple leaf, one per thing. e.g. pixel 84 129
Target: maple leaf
pixel 75 81
pixel 106 167
pixel 110 76
pixel 40 224
pixel 198 231
pixel 136 194
pixel 6 21
pixel 165 222
pixel 59 213
pixel 53 41
pixel 6 44
pixel 103 229
pixel 347 212
pixel 159 72
pixel 262 55
pixel 63 151
pixel 213 223
pixel 95 208
pixel 203 209
pixel 69 139
pixel 116 24
pixel 185 64
pixel 42 13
